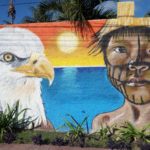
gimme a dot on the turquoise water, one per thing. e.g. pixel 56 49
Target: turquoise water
pixel 80 92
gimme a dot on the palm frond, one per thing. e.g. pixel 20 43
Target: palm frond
pixel 147 14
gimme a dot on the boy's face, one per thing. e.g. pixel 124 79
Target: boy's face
pixel 128 64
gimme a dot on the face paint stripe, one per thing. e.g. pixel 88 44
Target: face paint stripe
pixel 127 70
pixel 109 71
pixel 115 84
pixel 113 72
pixel 120 73
pixel 142 101
pixel 112 80
pixel 133 98
pixel 119 87
pixel 139 50
pixel 125 92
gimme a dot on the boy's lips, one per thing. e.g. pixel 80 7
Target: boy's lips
pixel 134 81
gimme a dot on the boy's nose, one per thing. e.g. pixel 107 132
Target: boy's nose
pixel 142 67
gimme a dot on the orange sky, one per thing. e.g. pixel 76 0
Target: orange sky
pixel 74 52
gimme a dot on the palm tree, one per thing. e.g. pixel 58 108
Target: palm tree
pixel 12 11
pixel 37 16
pixel 78 12
pixel 75 10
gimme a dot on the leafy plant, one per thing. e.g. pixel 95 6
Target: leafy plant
pixel 108 135
pixel 147 14
pixel 130 137
pixel 145 146
pixel 60 141
pixel 133 134
pixel 118 144
pixel 105 132
pixel 76 133
pixel 13 120
pixel 9 137
pixel 39 140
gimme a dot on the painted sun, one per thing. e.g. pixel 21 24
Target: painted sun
pixel 67 42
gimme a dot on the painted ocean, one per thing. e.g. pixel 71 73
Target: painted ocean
pixel 79 92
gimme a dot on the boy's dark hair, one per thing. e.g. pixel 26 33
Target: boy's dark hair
pixel 100 40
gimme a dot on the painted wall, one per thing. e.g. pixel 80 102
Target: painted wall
pixel 29 53
pixel 62 45
pixel 108 81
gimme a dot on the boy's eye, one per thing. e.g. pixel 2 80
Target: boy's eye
pixel 148 51
pixel 8 57
pixel 120 49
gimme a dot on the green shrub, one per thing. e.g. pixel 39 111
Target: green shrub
pixel 12 121
pixel 76 134
pixel 123 137
pixel 130 137
pixel 130 133
pixel 106 132
pixel 106 135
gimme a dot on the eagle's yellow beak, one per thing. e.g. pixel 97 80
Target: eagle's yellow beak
pixel 37 66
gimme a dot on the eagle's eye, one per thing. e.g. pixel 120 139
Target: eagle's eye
pixel 8 57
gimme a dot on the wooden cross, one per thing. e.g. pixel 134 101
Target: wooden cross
pixel 125 17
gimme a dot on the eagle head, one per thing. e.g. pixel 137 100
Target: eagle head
pixel 22 67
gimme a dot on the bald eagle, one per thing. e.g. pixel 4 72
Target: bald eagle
pixel 22 67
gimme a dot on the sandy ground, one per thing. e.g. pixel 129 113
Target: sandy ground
pixel 43 147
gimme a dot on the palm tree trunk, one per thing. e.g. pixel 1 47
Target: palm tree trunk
pixel 12 11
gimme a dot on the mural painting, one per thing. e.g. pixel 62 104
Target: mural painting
pixel 32 53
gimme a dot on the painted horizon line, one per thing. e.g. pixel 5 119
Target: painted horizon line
pixel 80 66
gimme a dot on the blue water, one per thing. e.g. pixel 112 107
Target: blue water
pixel 78 90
